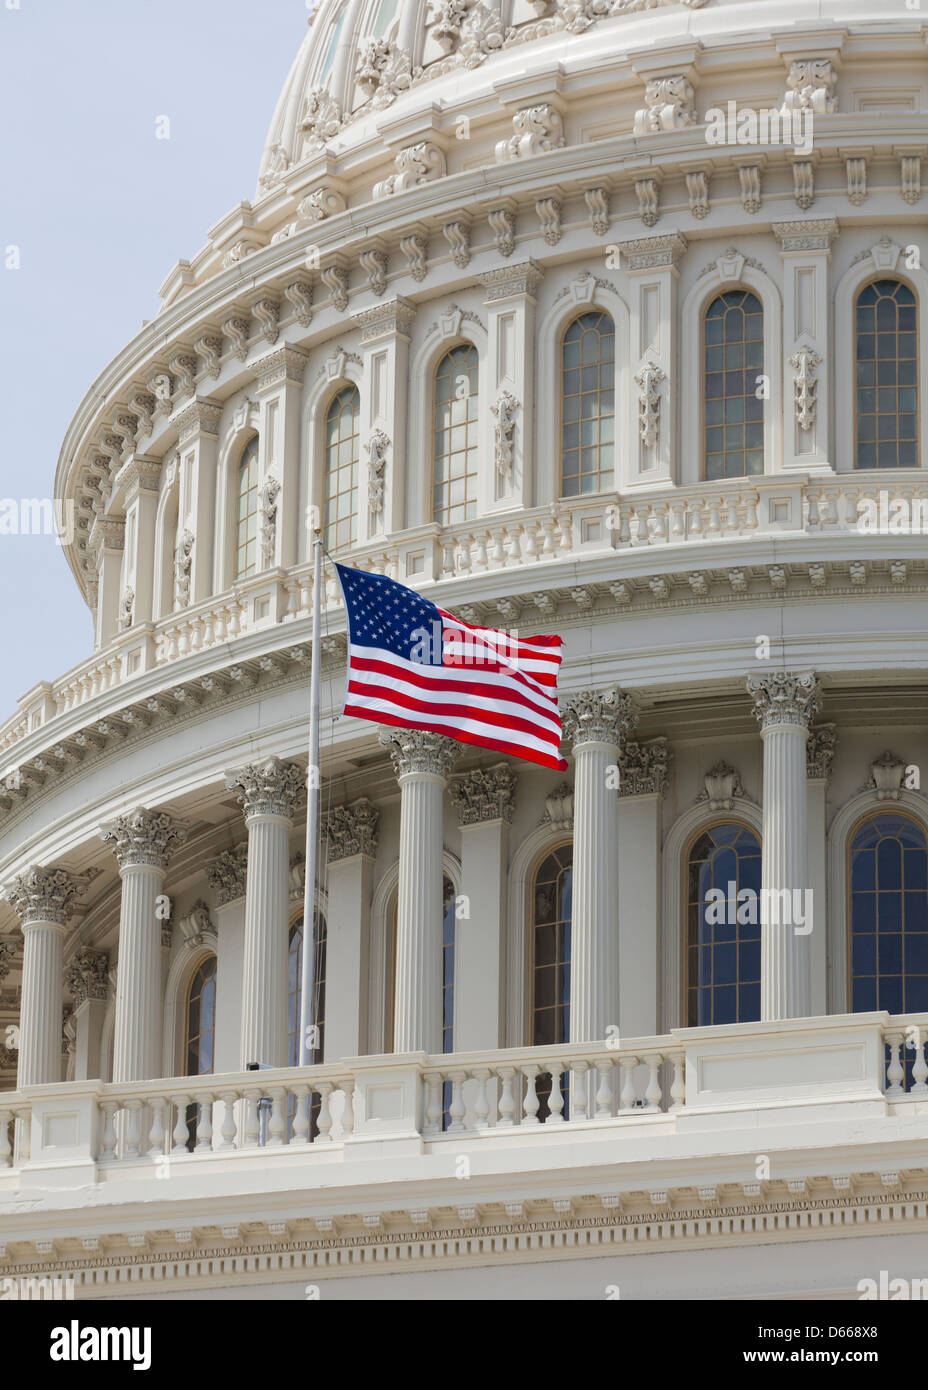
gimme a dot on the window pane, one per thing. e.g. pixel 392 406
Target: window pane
pixel 342 431
pixel 886 358
pixel 733 358
pixel 454 450
pixel 723 932
pixel 587 394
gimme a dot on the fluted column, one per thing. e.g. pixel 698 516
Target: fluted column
pixel 143 842
pixel 422 762
pixel 350 834
pixel 785 704
pixel 43 899
pixel 595 724
pixel 644 775
pixel 269 792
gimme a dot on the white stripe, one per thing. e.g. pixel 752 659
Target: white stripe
pixel 501 735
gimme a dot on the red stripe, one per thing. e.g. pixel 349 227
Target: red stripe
pixel 545 641
pixel 527 755
pixel 450 710
pixel 488 690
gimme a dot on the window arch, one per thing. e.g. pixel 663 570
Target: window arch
pixel 588 405
pixel 200 1033
pixel 246 515
pixel 722 974
pixel 733 358
pixel 295 989
pixel 888 912
pixel 455 436
pixel 342 451
pixel 886 353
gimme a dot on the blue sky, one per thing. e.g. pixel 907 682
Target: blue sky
pixel 100 210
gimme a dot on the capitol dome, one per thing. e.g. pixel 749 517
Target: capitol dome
pixel 595 319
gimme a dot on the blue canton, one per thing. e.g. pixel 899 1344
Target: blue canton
pixel 385 614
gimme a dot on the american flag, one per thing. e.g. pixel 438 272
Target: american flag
pixel 412 664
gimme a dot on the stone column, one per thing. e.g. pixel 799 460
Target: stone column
pixel 142 477
pixel 87 979
pixel 227 877
pixel 269 792
pixel 595 724
pixel 350 834
pixel 485 802
pixel 43 899
pixel 785 704
pixel 820 752
pixel 643 780
pixel 143 842
pixel 422 762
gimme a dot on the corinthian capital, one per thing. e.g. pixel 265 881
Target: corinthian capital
pixel 350 830
pixel 269 788
pixel 782 697
pixel 226 874
pixel 485 794
pixel 820 752
pixel 597 716
pixel 144 837
pixel 87 976
pixel 644 768
pixel 417 750
pixel 45 894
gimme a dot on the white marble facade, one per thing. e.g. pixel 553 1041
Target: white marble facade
pixel 450 197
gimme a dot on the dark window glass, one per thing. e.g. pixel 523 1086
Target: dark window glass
pixel 455 437
pixel 723 954
pixel 733 359
pixel 551 921
pixel 342 431
pixel 885 325
pixel 588 405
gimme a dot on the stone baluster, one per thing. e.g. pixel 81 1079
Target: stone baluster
pixel 785 705
pixel 43 899
pixel 422 762
pixel 269 791
pixel 143 842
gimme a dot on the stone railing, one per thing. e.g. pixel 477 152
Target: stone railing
pixel 74 1132
pixel 672 517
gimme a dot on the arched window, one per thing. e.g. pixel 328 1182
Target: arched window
pixel 342 427
pixel 295 990
pixel 246 537
pixel 733 347
pixel 200 1033
pixel 889 914
pixel 886 348
pixel 552 898
pixel 588 405
pixel 454 437
pixel 723 932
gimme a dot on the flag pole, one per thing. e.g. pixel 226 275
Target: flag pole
pixel 307 981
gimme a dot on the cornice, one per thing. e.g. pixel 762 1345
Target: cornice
pixel 438 1236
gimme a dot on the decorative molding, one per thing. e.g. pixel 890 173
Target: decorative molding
pixel 196 924
pixel 268 494
pixel 722 785
pixel 382 320
pixel 238 330
pixel 549 215
pixel 810 86
pixel 268 788
pixel 749 177
pixel 814 234
pixel 503 226
pixel 415 248
pixel 143 837
pixel 535 130
pixel 910 178
pixel 783 697
pixel 324 201
pixel 647 191
pixel 420 752
pixel 668 105
pixel 383 71
pixel 820 752
pixel 597 204
pixel 856 180
pixel 351 830
pixel 457 235
pixel 322 119
pixel 805 403
pixel 415 165
pixel 644 768
pixel 597 716
pixel 507 281
pixel 183 562
pixel 652 252
pixel 377 447
pixel 649 379
pixel 504 410
pixel 226 874
pixel 697 190
pixel 335 279
pixel 886 777
pixel 299 294
pixel 46 894
pixel 485 794
pixel 803 183
pixel 374 264
pixel 559 807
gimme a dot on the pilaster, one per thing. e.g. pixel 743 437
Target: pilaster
pixel 87 979
pixel 651 265
pixel 350 833
pixel 198 445
pixel 385 349
pixel 643 781
pixel 226 875
pixel 805 248
pixel 510 375
pixel 280 395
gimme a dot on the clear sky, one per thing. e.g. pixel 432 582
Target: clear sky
pixel 99 211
